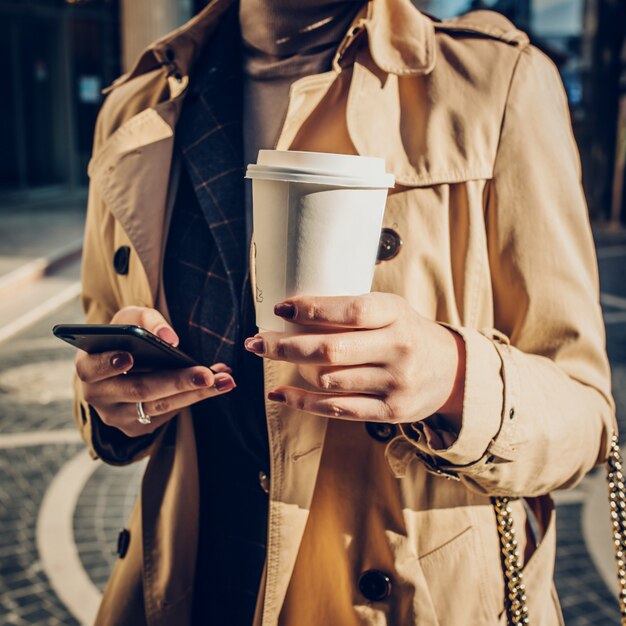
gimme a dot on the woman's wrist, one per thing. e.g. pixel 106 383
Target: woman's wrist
pixel 451 412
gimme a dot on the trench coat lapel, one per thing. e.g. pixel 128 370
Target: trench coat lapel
pixel 131 172
pixel 296 441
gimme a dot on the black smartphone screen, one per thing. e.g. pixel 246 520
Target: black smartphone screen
pixel 149 352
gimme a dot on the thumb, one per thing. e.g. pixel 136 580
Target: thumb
pixel 150 319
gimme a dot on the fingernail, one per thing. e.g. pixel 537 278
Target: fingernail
pixel 254 344
pixel 167 334
pixel 199 380
pixel 120 361
pixel 286 310
pixel 224 384
pixel 276 396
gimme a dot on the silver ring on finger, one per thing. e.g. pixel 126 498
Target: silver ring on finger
pixel 142 416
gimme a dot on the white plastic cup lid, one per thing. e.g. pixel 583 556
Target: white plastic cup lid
pixel 341 170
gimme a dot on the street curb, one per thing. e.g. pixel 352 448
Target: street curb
pixel 43 266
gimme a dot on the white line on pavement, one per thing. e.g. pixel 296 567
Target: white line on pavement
pixel 39 312
pixel 38 268
pixel 46 437
pixel 55 540
pixel 609 299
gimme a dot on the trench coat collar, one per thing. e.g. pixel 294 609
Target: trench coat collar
pixel 401 40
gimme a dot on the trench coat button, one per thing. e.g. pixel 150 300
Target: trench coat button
pixel 389 244
pixel 123 541
pixel 375 585
pixel 121 260
pixel 380 431
pixel 264 481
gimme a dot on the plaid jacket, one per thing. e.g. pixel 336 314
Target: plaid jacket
pixel 209 299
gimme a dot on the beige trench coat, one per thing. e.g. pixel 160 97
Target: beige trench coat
pixel 473 122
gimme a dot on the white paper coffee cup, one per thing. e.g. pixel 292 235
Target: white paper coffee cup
pixel 317 219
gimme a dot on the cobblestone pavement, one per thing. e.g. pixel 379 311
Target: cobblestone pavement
pixel 585 598
pixel 35 377
pixel 101 511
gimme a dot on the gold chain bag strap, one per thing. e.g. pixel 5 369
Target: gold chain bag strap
pixel 516 607
pixel 617 504
pixel 515 592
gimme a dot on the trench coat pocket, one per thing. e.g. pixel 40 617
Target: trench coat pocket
pixel 456 564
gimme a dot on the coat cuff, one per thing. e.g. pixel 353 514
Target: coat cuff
pixel 485 402
pixel 107 443
pixel 113 446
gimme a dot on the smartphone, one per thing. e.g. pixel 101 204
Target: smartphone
pixel 149 352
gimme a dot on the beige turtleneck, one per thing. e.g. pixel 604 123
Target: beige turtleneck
pixel 284 40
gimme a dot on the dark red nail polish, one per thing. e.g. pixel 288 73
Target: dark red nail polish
pixel 199 380
pixel 255 345
pixel 223 384
pixel 286 310
pixel 276 396
pixel 121 360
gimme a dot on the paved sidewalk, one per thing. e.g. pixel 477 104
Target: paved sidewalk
pixel 40 249
pixel 39 229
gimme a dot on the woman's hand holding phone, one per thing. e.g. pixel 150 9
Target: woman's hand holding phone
pixel 163 394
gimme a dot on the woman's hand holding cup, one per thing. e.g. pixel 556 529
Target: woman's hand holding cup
pixel 162 394
pixel 369 357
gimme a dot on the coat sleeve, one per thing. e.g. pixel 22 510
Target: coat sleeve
pixel 100 302
pixel 538 411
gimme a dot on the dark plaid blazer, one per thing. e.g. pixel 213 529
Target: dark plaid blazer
pixel 208 294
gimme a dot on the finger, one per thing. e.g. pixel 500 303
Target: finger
pixel 221 367
pixel 352 348
pixel 371 310
pixel 124 419
pixel 162 406
pixel 150 319
pixel 362 379
pixel 347 407
pixel 123 416
pixel 92 368
pixel 152 386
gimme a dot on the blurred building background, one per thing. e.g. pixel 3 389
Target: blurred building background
pixel 60 54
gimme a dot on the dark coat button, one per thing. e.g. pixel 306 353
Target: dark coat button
pixel 389 244
pixel 121 260
pixel 380 431
pixel 375 585
pixel 123 541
